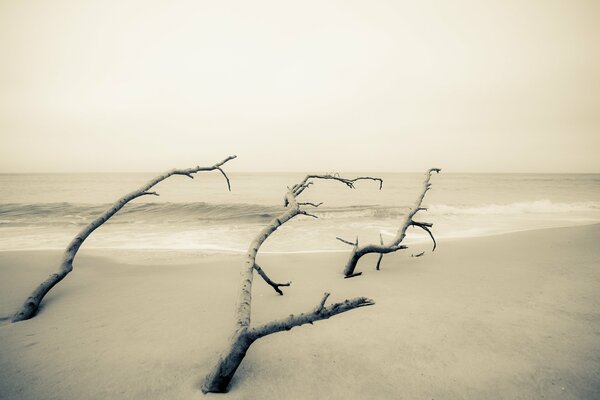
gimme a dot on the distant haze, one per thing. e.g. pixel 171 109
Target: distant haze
pixel 489 86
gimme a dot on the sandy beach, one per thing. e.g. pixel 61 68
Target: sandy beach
pixel 514 316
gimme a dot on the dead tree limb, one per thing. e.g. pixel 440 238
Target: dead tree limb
pixel 31 305
pixel 268 280
pixel 319 313
pixel 395 244
pixel 218 379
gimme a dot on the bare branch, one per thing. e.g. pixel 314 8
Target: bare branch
pixel 426 227
pixel 394 245
pixel 319 308
pixel 243 337
pixel 319 313
pixel 292 209
pixel 189 171
pixel 32 303
pixel 345 241
pixel 302 212
pixel 226 178
pixel 418 223
pixel 310 204
pixel 380 254
pixel 220 376
pixel 299 188
pixel 268 280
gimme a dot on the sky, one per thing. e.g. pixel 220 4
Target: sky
pixel 389 86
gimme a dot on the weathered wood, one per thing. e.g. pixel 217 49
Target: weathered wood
pixel 32 303
pixel 243 337
pixel 395 244
pixel 319 313
pixel 268 280
pixel 217 381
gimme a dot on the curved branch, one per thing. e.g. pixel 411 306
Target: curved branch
pixel 32 303
pixel 299 188
pixel 226 178
pixel 395 244
pixel 425 227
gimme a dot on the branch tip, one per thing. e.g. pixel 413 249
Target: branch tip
pixel 345 241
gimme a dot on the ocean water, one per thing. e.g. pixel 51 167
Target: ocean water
pixel 45 211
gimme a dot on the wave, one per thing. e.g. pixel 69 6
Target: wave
pixel 17 214
pixel 79 213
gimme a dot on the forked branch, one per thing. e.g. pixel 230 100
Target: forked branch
pixel 319 313
pixel 243 337
pixel 395 243
pixel 32 303
pixel 268 280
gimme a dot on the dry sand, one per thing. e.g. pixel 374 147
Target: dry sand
pixel 513 316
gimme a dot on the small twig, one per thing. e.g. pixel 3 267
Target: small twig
pixel 345 241
pixel 226 178
pixel 321 305
pixel 310 204
pixel 380 254
pixel 307 214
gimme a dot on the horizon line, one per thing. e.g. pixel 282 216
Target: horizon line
pixel 303 172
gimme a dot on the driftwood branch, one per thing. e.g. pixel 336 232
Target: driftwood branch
pixel 243 337
pixel 425 226
pixel 319 313
pixel 268 280
pixel 347 241
pixel 395 244
pixel 218 379
pixel 300 187
pixel 32 303
pixel 310 204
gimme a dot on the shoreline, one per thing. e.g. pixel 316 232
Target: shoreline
pixel 220 252
pixel 506 316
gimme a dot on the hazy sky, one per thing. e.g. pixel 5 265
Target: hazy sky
pixel 487 86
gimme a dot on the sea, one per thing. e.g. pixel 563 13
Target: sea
pixel 45 211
